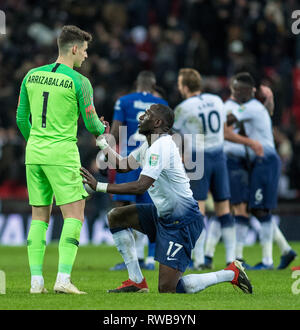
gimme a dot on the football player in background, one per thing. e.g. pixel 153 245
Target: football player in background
pixel 240 169
pixel 202 113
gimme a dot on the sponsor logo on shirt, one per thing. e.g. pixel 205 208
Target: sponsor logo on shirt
pixel 142 105
pixel 154 159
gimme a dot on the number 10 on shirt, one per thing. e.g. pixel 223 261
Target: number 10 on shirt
pixel 210 122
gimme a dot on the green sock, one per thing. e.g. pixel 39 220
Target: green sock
pixel 68 244
pixel 36 246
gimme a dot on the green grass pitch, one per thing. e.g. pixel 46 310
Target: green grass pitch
pixel 272 289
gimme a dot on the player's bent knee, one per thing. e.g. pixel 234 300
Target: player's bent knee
pixel 111 217
pixel 166 287
pixel 124 217
pixel 114 218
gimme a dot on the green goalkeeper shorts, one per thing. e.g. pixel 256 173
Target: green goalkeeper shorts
pixel 44 181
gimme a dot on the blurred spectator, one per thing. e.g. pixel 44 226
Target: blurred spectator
pixel 285 152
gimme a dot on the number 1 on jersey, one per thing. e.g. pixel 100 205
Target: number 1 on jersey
pixel 45 103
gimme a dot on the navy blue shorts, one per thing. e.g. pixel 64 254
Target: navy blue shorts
pixel 238 180
pixel 264 182
pixel 129 177
pixel 174 244
pixel 215 178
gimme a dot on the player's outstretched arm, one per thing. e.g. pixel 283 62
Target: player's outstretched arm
pixel 84 93
pixel 121 164
pixel 92 122
pixel 115 129
pixel 229 135
pixel 138 187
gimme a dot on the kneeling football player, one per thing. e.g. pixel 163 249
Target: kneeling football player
pixel 174 222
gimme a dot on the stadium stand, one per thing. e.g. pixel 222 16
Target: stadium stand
pixel 218 38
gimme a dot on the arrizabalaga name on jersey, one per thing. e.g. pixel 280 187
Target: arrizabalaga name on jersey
pixel 35 79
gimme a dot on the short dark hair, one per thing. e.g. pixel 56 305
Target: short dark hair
pixel 245 77
pixel 166 114
pixel 71 34
pixel 146 79
pixel 191 78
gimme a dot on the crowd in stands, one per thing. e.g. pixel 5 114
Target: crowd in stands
pixel 216 37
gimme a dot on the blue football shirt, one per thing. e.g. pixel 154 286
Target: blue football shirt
pixel 127 110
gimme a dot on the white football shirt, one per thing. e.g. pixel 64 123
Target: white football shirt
pixel 231 148
pixel 258 124
pixel 161 161
pixel 202 114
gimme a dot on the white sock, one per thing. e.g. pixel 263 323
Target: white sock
pixel 37 278
pixel 139 244
pixel 63 277
pixel 241 235
pixel 266 240
pixel 212 238
pixel 267 258
pixel 199 249
pixel 229 239
pixel 280 240
pixel 150 260
pixel 197 282
pixel 125 244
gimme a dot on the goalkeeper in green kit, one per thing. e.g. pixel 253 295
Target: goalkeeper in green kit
pixel 55 95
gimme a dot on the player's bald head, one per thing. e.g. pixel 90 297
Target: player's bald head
pixel 165 114
pixel 146 81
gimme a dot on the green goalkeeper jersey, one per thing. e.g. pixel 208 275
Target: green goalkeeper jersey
pixel 54 95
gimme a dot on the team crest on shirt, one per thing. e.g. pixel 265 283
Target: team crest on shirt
pixel 241 108
pixel 154 159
